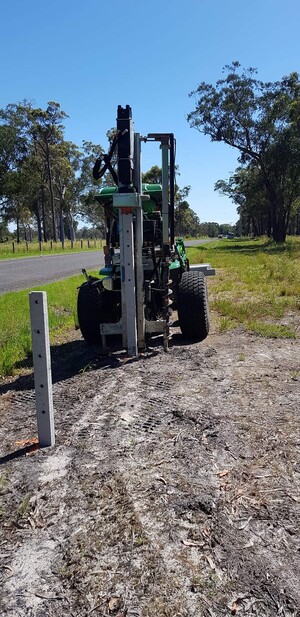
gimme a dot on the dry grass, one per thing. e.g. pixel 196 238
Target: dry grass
pixel 257 284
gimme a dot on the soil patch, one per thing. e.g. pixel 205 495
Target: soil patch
pixel 173 489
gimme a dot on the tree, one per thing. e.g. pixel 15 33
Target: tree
pixel 4 231
pixel 88 188
pixel 246 189
pixel 262 121
pixel 65 167
pixel 153 175
pixel 10 154
pixel 38 169
pixel 46 129
pixel 187 222
pixel 13 153
pixel 15 209
pixel 13 142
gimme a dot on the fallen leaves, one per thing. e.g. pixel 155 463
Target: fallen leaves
pixel 27 442
pixel 31 444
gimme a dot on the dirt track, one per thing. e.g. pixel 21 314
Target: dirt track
pixel 173 490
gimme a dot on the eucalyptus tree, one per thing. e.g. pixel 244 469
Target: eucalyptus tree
pixel 46 129
pixel 14 207
pixel 65 167
pixel 262 121
pixel 153 175
pixel 37 191
pixel 13 152
pixel 88 188
pixel 247 190
pixel 13 141
pixel 4 231
pixel 29 140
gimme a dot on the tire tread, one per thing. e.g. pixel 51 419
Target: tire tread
pixel 193 306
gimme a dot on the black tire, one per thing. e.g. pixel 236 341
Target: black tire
pixel 89 312
pixel 193 312
pixel 95 307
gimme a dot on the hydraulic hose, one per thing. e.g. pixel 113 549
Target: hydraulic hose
pixel 103 163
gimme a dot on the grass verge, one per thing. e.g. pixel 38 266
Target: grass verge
pixel 15 334
pixel 257 284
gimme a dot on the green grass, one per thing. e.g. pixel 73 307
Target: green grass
pixel 15 333
pixel 11 250
pixel 257 284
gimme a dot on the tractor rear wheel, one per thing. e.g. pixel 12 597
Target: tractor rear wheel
pixel 88 312
pixel 95 307
pixel 193 312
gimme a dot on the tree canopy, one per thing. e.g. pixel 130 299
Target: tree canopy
pixel 44 180
pixel 262 121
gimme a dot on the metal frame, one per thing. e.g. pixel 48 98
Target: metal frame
pixel 134 324
pixel 128 200
pixel 167 147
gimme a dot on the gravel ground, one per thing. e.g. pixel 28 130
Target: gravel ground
pixel 173 489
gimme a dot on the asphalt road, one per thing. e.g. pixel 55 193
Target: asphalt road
pixel 30 272
pixel 197 242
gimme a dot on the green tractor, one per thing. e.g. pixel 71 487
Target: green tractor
pixel 146 276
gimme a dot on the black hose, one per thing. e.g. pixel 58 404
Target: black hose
pixel 103 163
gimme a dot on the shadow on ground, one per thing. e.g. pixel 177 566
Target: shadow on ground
pixel 75 357
pixel 11 456
pixel 239 245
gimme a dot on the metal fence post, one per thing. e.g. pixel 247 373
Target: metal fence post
pixel 42 367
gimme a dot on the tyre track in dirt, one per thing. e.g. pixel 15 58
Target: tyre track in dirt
pixel 173 486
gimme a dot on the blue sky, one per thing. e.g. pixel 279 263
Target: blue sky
pixel 91 56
